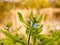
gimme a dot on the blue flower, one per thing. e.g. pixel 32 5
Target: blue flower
pixel 35 25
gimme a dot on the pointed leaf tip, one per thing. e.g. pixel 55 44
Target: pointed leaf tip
pixel 39 18
pixel 31 16
pixel 20 17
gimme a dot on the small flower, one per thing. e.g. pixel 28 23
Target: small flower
pixel 35 25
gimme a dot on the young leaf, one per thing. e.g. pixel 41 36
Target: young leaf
pixel 40 29
pixel 39 18
pixel 26 23
pixel 31 16
pixel 11 36
pixel 27 31
pixel 17 29
pixel 9 24
pixel 33 32
pixel 21 19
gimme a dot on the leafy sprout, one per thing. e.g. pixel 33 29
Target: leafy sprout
pixel 33 28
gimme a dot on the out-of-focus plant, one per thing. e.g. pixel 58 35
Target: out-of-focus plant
pixel 14 39
pixel 5 7
pixel 57 3
pixel 36 4
pixel 52 39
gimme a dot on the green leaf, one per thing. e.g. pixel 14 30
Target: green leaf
pixel 27 31
pixel 40 29
pixel 26 23
pixel 31 16
pixel 6 41
pixel 21 19
pixel 34 32
pixel 39 18
pixel 9 24
pixel 41 37
pixel 11 36
pixel 17 29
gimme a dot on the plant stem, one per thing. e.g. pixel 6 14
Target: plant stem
pixel 29 38
pixel 34 41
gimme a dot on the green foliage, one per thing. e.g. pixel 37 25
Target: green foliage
pixel 27 31
pixel 33 30
pixel 17 29
pixel 39 18
pixel 6 41
pixel 11 36
pixel 53 39
pixel 21 18
pixel 31 16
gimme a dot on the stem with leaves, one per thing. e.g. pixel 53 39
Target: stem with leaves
pixel 31 25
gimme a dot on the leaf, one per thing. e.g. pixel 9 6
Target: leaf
pixel 26 23
pixel 27 31
pixel 36 31
pixel 31 16
pixel 11 36
pixel 17 29
pixel 39 18
pixel 39 36
pixel 33 32
pixel 9 24
pixel 21 18
pixel 6 41
pixel 40 29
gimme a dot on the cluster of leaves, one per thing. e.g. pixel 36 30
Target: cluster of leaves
pixel 33 30
pixel 52 39
pixel 12 39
